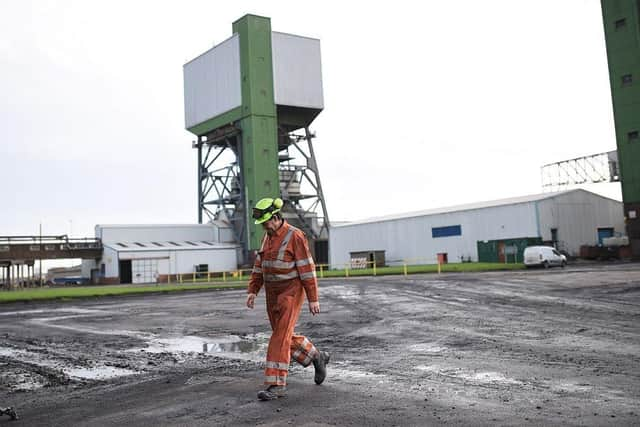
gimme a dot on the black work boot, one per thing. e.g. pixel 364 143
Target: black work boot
pixel 272 392
pixel 320 363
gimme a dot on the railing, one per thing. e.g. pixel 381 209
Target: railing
pixel 323 271
pixel 361 268
pixel 25 240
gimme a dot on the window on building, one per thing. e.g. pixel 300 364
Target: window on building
pixel 627 79
pixel 174 244
pixel 122 245
pixel 621 23
pixel 208 243
pixel 450 230
pixel 191 243
pixel 157 244
pixel 633 136
pixel 140 244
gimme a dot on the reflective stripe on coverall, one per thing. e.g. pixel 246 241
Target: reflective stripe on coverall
pixel 284 265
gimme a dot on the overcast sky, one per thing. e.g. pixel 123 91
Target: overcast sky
pixel 427 104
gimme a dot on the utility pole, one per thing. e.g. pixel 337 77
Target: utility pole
pixel 41 248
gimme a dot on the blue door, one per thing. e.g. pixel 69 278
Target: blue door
pixel 603 233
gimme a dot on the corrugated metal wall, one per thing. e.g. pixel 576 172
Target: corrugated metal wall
pixel 212 83
pixel 411 238
pixel 297 71
pixel 577 216
pixel 183 261
pixel 110 261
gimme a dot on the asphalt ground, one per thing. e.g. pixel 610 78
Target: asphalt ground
pixel 536 347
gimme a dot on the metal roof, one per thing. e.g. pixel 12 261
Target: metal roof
pixel 190 245
pixel 467 207
pixel 150 225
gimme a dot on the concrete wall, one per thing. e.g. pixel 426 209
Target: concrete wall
pixel 86 267
pixel 411 238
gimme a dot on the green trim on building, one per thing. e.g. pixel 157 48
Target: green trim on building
pixel 489 250
pixel 216 122
pixel 259 120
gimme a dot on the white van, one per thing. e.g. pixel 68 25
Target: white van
pixel 544 256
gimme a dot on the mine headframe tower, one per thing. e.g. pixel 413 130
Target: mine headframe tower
pixel 250 100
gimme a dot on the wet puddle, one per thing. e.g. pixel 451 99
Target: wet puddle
pixel 249 347
pixel 240 346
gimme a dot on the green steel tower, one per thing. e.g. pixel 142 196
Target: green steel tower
pixel 622 34
pixel 245 99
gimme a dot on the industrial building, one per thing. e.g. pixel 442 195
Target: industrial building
pixel 494 231
pixel 158 253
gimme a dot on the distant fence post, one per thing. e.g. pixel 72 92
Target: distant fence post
pixel 346 270
pixel 321 272
pixel 439 267
pixel 224 276
pixel 374 268
pixel 404 266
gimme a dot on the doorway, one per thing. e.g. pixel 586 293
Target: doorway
pixel 603 233
pixel 501 255
pixel 125 270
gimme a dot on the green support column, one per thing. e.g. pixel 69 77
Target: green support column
pixel 259 121
pixel 622 35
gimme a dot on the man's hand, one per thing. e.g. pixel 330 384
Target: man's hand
pixel 251 298
pixel 314 307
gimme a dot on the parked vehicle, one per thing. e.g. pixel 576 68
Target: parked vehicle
pixel 66 281
pixel 543 256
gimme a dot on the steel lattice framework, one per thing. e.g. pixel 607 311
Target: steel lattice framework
pixel 220 187
pixel 221 195
pixel 602 167
pixel 300 183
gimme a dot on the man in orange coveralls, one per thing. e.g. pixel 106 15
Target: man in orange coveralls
pixel 285 267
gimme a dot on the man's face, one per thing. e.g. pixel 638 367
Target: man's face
pixel 271 225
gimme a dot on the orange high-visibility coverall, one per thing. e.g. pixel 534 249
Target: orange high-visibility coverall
pixel 285 267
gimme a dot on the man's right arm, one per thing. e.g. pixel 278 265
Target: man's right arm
pixel 256 280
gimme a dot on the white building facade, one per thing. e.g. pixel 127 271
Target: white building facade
pixel 568 219
pixel 158 253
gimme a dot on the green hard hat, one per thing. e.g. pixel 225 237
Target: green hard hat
pixel 265 208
